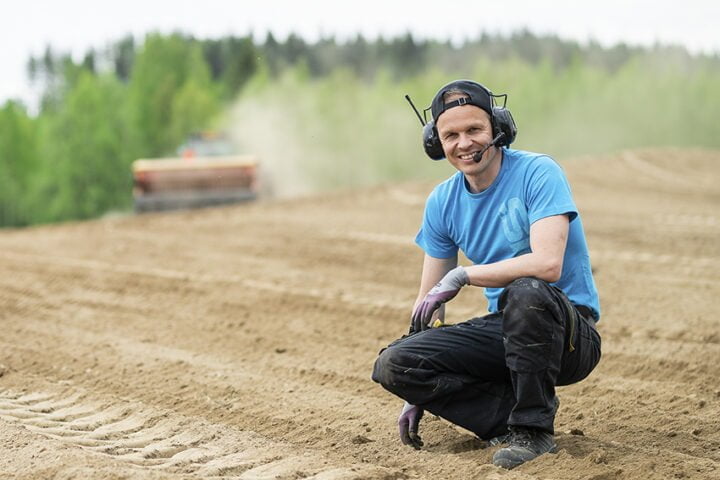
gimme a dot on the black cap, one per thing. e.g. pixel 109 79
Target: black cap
pixel 476 95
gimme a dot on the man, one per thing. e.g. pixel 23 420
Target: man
pixel 512 214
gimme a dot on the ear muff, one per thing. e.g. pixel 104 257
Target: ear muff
pixel 431 142
pixel 501 121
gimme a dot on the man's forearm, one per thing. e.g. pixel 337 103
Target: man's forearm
pixel 500 274
pixel 434 269
pixel 548 237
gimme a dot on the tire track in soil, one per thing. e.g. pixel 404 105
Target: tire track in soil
pixel 153 439
pixel 253 408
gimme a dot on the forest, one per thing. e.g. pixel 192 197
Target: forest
pixel 326 114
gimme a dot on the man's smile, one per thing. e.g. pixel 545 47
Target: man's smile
pixel 468 156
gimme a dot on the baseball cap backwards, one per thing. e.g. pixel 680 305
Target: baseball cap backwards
pixel 476 95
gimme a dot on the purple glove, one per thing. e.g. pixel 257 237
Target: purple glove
pixel 408 422
pixel 445 290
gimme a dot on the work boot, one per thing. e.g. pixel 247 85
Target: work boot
pixel 524 444
pixel 500 439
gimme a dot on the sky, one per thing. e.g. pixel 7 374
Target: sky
pixel 77 25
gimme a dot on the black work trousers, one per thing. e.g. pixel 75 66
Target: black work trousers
pixel 500 369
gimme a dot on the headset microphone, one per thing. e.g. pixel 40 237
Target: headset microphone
pixel 478 156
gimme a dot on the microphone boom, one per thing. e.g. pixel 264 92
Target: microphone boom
pixel 478 156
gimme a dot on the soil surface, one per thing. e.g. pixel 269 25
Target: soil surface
pixel 237 342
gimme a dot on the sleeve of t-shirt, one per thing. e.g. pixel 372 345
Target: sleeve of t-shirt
pixel 548 191
pixel 433 236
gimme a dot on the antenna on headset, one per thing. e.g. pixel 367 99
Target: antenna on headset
pixel 422 122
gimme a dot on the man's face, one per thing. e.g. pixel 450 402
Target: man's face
pixel 464 131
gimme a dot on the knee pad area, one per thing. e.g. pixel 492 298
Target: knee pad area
pixel 392 365
pixel 525 292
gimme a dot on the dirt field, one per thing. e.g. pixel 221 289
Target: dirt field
pixel 238 342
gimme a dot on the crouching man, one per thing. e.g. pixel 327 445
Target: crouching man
pixel 512 214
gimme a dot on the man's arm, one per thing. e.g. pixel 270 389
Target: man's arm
pixel 548 238
pixel 434 269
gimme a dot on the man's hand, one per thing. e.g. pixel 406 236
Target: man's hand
pixel 408 423
pixel 444 291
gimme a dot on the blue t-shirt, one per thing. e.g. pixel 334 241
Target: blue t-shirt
pixel 494 224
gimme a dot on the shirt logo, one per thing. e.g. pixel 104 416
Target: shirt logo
pixel 516 225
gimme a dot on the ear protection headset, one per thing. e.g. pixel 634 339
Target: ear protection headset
pixel 504 129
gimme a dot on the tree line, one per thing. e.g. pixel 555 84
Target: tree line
pixel 70 159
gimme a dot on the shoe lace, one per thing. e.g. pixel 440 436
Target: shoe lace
pixel 521 437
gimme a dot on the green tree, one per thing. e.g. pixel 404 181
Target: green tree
pixel 193 109
pixel 122 56
pixel 407 56
pixel 232 61
pixel 85 171
pixel 162 68
pixel 18 158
